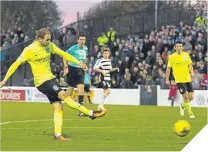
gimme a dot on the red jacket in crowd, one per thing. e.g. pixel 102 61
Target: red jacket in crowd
pixel 204 82
pixel 173 90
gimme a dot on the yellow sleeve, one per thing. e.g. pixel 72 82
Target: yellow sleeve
pixel 189 60
pixel 169 62
pixel 56 50
pixel 26 54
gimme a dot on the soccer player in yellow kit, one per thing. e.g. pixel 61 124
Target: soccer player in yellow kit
pixel 38 56
pixel 181 64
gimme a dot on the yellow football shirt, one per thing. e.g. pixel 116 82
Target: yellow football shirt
pixel 39 59
pixel 179 64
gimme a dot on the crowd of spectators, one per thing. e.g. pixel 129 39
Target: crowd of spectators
pixel 11 37
pixel 143 59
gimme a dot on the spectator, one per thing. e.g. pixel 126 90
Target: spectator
pixel 102 40
pixel 111 34
pixel 204 82
pixel 62 82
pixel 21 38
pixel 127 82
pixel 114 84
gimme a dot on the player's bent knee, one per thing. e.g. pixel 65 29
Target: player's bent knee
pixel 107 92
pixel 191 97
pixel 185 96
pixel 58 106
pixel 69 91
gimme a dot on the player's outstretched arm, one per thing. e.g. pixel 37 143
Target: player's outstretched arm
pixel 10 71
pixel 167 76
pixel 68 57
pixel 66 70
pixel 114 69
pixel 191 70
pixel 25 55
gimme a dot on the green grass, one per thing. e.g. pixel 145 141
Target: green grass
pixel 123 128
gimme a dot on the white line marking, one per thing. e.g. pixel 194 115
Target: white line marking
pixel 107 127
pixel 22 121
pixel 3 123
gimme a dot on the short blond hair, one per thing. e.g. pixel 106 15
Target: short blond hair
pixel 42 32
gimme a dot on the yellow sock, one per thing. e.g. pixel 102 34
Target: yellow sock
pixel 77 106
pixel 58 121
pixel 187 106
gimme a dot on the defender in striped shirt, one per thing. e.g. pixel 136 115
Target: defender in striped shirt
pixel 104 67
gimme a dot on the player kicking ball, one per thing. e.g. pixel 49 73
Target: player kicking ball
pixel 38 56
pixel 181 64
pixel 104 67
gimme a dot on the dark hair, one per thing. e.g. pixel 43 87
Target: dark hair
pixel 42 32
pixel 80 35
pixel 179 42
pixel 106 50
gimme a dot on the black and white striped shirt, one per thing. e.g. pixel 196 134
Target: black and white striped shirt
pixel 105 65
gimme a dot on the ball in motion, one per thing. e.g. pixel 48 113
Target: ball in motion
pixel 182 128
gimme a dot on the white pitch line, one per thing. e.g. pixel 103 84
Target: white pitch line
pixel 3 123
pixel 107 127
pixel 22 121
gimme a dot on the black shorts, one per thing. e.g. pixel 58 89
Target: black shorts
pixel 105 84
pixel 87 88
pixel 183 87
pixel 75 76
pixel 51 89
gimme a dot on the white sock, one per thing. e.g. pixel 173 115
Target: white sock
pixel 59 134
pixel 101 105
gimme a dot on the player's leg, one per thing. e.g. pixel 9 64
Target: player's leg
pixel 184 88
pixel 58 120
pixel 172 101
pixel 70 81
pixel 106 92
pixel 80 93
pixel 184 93
pixel 71 103
pixel 69 91
pixel 58 114
pixel 79 79
pixel 87 91
pixel 190 97
pixel 81 97
pixel 48 88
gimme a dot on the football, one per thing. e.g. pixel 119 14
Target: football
pixel 181 128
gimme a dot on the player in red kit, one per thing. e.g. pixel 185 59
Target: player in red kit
pixel 173 92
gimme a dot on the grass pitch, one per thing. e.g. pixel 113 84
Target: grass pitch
pixel 29 127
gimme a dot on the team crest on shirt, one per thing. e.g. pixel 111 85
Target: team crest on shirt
pixel 47 49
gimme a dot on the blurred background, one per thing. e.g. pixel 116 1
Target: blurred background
pixel 140 34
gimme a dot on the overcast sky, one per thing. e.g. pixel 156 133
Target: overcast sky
pixel 71 7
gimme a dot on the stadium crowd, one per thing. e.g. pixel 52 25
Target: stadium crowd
pixel 11 37
pixel 143 59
